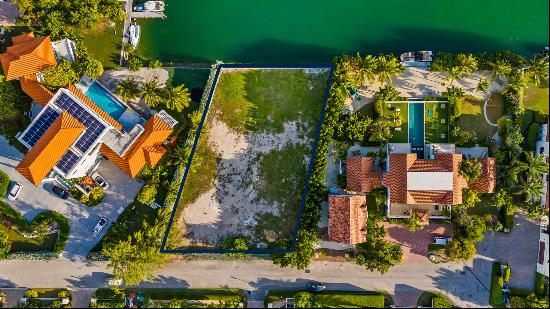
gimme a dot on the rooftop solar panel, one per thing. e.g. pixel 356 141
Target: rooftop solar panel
pixel 94 127
pixel 68 160
pixel 40 126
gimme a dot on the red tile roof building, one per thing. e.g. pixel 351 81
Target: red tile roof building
pixel 347 219
pixel 28 55
pixel 360 175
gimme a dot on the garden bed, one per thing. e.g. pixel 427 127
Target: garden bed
pixel 390 112
pixel 436 131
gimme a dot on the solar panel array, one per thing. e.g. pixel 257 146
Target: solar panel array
pixel 40 126
pixel 68 160
pixel 94 127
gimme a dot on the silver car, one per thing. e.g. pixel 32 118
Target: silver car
pixel 14 192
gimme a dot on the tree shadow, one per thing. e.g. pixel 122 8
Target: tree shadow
pixel 95 279
pixel 165 281
pixel 406 295
pixel 6 283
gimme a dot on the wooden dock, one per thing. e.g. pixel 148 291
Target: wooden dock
pixel 148 15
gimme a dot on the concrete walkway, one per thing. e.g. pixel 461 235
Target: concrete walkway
pixel 80 298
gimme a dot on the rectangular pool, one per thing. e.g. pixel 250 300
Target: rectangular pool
pixel 105 100
pixel 416 124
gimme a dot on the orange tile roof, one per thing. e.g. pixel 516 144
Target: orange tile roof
pixel 423 216
pixel 147 149
pixel 396 179
pixel 50 148
pixel 486 183
pixel 27 56
pixel 347 218
pixel 22 38
pixel 35 90
pixel 98 110
pixel 360 176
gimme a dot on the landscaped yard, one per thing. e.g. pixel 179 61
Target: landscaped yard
pixel 436 119
pixel 495 107
pixel 472 118
pixel 104 45
pixel 248 172
pixel 400 110
pixel 536 97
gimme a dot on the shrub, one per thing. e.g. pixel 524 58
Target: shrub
pixel 135 64
pixel 463 138
pixel 443 62
pixel 517 302
pixel 341 179
pixel 441 302
pixel 306 300
pixel 148 193
pixel 155 64
pixel 4 184
pixel 532 133
pixel 539 285
pixel 497 283
pixel 388 93
pixel 95 197
pixel 63 294
pixel 5 246
pixel 533 301
pixel 507 274
pixel 30 293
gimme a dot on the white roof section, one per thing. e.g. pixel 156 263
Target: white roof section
pixel 64 49
pixel 424 181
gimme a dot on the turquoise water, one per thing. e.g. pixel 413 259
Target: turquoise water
pixel 314 31
pixel 103 99
pixel 416 124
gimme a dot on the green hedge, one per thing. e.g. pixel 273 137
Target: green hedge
pixel 19 223
pixel 539 285
pixel 518 302
pixel 531 140
pixel 495 298
pixel 441 302
pixel 4 184
pixel 345 300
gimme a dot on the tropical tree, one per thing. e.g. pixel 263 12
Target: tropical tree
pixel 414 223
pixel 466 63
pixel 483 85
pixel 176 97
pixel 534 166
pixel 155 64
pixel 532 190
pixel 367 69
pixel 150 93
pixel 538 69
pixel 454 74
pixel 387 67
pixel 499 67
pixel 509 175
pixel 135 64
pixel 127 89
pixel 5 246
pixel 459 249
pixel 470 169
pixel 379 131
pixel 517 82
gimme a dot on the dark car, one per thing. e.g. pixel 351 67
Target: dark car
pixel 315 287
pixel 60 192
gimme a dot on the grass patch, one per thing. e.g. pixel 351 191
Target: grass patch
pixel 472 118
pixel 536 97
pixel 229 103
pixel 104 45
pixel 434 128
pixel 390 111
pixel 435 247
pixel 495 107
pixel 351 300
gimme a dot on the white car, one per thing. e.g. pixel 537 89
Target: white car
pixel 442 240
pixel 14 192
pixel 100 181
pixel 100 225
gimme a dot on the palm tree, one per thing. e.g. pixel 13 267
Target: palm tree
pixel 499 67
pixel 454 73
pixel 534 166
pixel 150 92
pixel 466 63
pixel 368 68
pixel 517 82
pixel 176 98
pixel 127 89
pixel 388 67
pixel 538 69
pixel 509 176
pixel 531 189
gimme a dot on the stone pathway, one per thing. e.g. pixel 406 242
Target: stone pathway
pixel 81 297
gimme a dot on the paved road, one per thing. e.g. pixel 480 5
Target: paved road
pixel 82 219
pixel 459 285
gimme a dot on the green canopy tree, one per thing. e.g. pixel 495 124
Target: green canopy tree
pixel 470 169
pixel 377 254
pixel 379 131
pixel 413 223
pixel 387 67
pixel 127 89
pixel 91 67
pixel 176 97
pixel 459 249
pixel 60 75
pixel 5 246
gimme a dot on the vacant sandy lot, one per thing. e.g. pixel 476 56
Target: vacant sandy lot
pixel 232 206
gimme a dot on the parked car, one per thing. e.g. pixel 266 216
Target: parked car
pixel 442 240
pixel 14 191
pixel 62 193
pixel 315 287
pixel 100 181
pixel 100 225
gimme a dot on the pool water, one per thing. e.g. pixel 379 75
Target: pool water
pixel 106 101
pixel 416 124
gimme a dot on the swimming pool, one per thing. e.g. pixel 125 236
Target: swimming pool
pixel 416 124
pixel 105 100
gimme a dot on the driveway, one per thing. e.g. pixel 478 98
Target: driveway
pixel 519 249
pixel 34 200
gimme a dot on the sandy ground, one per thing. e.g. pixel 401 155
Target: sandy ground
pixel 420 82
pixel 231 207
pixel 8 13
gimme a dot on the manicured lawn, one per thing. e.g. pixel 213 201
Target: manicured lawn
pixel 536 97
pixel 495 107
pixel 390 110
pixel 472 118
pixel 434 113
pixel 20 243
pixel 104 45
pixel 350 300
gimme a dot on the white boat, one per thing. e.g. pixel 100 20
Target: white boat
pixel 417 58
pixel 150 6
pixel 134 31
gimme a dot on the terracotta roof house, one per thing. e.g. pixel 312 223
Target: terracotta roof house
pixel 347 219
pixel 425 186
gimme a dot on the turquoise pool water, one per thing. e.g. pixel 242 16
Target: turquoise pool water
pixel 103 99
pixel 416 124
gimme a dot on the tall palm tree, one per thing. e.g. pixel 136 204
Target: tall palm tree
pixel 538 69
pixel 466 63
pixel 509 175
pixel 150 92
pixel 176 97
pixel 127 89
pixel 517 82
pixel 499 67
pixel 368 68
pixel 454 74
pixel 534 166
pixel 532 190
pixel 387 67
